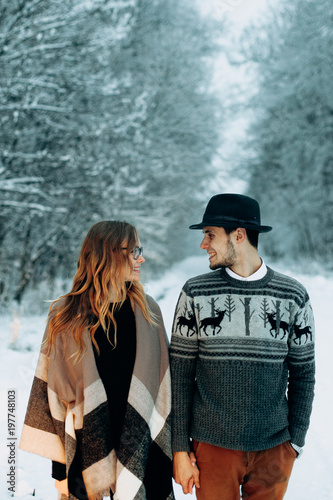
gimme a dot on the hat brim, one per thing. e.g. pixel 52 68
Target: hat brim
pixel 253 227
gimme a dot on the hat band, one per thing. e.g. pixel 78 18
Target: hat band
pixel 227 218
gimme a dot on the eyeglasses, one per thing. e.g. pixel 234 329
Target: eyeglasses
pixel 137 251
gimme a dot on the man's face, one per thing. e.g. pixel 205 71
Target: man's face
pixel 220 247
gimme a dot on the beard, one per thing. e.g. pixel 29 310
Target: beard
pixel 218 265
pixel 228 259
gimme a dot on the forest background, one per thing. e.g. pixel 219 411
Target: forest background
pixel 128 109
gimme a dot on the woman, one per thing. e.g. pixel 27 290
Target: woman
pixel 100 402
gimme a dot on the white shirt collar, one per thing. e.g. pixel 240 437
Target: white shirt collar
pixel 258 275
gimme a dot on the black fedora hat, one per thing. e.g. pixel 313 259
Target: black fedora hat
pixel 232 210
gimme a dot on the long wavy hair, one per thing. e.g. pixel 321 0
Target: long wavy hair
pixel 101 274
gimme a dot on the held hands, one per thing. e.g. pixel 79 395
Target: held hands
pixel 185 471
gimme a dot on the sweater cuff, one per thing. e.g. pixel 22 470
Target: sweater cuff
pixel 181 445
pixel 297 436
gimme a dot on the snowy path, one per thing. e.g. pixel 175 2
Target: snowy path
pixel 312 478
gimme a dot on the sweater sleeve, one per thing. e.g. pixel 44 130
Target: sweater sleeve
pixel 183 356
pixel 301 364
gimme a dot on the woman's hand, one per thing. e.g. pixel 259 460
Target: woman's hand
pixel 185 471
pixel 62 486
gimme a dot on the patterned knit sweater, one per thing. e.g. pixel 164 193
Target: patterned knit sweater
pixel 242 362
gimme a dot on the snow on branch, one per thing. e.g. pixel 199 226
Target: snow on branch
pixel 32 206
pixel 36 156
pixel 32 81
pixel 19 185
pixel 44 47
pixel 34 107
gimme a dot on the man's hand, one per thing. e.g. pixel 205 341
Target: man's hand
pixel 185 471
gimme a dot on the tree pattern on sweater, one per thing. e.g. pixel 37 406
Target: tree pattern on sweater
pixel 269 311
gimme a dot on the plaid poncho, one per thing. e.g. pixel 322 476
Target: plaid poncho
pixel 69 399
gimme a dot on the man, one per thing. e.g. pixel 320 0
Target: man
pixel 242 364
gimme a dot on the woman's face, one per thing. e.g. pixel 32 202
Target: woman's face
pixel 133 269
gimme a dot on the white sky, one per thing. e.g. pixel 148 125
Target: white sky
pixel 240 12
pixel 237 14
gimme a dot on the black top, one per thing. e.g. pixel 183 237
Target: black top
pixel 115 367
pixel 115 364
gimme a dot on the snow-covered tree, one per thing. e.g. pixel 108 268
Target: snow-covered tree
pixel 291 171
pixel 52 91
pixel 105 113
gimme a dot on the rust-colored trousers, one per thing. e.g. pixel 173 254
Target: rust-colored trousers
pixel 231 475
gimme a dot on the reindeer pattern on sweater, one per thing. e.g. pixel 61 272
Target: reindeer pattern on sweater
pixel 232 313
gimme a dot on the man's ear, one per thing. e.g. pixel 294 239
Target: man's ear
pixel 240 235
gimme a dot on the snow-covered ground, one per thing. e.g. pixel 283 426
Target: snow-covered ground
pixel 312 477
